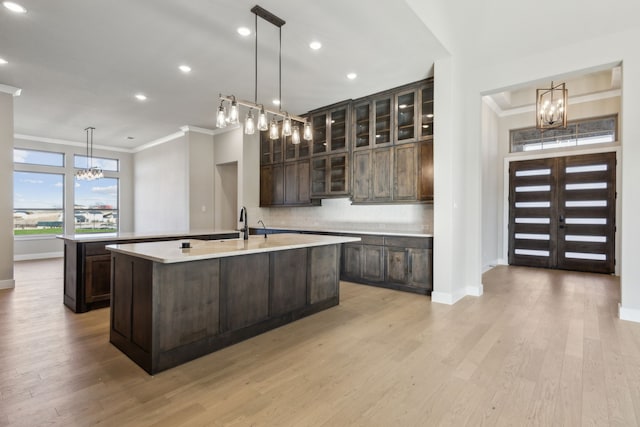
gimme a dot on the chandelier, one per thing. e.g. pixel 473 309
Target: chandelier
pixel 290 123
pixel 91 172
pixel 551 107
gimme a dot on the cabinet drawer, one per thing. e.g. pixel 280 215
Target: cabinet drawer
pixel 97 248
pixel 409 242
pixel 371 240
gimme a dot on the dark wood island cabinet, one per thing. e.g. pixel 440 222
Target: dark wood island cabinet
pixel 87 271
pixel 172 305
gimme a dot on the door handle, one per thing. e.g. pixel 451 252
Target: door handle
pixel 561 221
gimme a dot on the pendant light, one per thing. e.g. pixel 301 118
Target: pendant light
pixel 551 107
pixel 91 172
pixel 222 118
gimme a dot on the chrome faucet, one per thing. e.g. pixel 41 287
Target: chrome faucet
pixel 264 227
pixel 244 218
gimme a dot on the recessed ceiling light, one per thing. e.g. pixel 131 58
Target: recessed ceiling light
pixel 141 97
pixel 185 68
pixel 14 7
pixel 276 102
pixel 315 45
pixel 244 31
pixel 3 61
pixel 352 76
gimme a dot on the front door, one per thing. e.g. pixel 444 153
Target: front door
pixel 562 213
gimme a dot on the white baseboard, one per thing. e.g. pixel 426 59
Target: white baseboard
pixel 475 291
pixel 7 284
pixel 44 255
pixel 630 314
pixel 493 263
pixel 446 298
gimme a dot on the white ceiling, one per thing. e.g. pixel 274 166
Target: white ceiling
pixel 79 62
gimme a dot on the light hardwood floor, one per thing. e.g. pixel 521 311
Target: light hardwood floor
pixel 540 347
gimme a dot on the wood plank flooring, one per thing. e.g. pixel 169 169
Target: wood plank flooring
pixel 540 347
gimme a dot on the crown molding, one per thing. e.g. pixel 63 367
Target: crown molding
pixel 65 142
pixel 11 90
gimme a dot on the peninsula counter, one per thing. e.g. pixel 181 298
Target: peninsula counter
pixel 86 262
pixel 170 305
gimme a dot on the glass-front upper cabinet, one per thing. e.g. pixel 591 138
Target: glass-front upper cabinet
pixel 338 126
pixel 319 131
pixel 383 121
pixel 406 105
pixel 289 149
pixel 362 125
pixel 426 112
pixel 265 149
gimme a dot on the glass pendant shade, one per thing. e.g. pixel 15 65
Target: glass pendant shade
pixel 286 126
pixel 233 112
pixel 295 135
pixel 249 124
pixel 273 129
pixel 263 123
pixel 306 134
pixel 221 117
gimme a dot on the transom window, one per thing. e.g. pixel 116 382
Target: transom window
pixel 598 130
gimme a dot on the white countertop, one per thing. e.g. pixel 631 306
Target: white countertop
pixel 171 251
pixel 348 229
pixel 106 237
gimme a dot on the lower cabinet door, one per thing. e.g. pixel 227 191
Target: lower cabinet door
pixel 397 265
pixel 420 268
pixel 351 264
pixel 373 263
pixel 98 278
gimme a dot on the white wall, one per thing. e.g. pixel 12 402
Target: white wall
pixel 506 51
pixel 201 179
pixel 6 190
pixel 491 178
pixel 161 187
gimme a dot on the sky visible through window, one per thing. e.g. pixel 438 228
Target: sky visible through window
pixel 34 190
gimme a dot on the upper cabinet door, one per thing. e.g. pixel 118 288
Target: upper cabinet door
pixel 406 123
pixel 382 109
pixel 425 129
pixel 319 129
pixel 338 125
pixel 362 125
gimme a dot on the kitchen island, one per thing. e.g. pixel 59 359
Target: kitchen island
pixel 87 278
pixel 171 304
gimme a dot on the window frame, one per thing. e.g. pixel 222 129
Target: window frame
pixel 575 136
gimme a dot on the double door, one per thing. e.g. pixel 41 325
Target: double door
pixel 562 213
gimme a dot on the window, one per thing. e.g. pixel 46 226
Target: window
pixel 35 157
pixel 81 162
pixel 38 200
pixel 96 206
pixel 579 132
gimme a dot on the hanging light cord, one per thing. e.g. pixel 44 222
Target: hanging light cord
pixel 280 71
pixel 255 85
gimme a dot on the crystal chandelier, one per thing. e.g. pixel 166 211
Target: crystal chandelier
pixel 231 114
pixel 91 172
pixel 551 107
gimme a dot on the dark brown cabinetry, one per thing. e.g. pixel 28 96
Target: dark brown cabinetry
pixel 402 263
pixel 393 150
pixel 330 176
pixel 87 268
pixel 377 149
pixel 285 172
pixel 165 314
pixel 408 263
pixel 330 173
